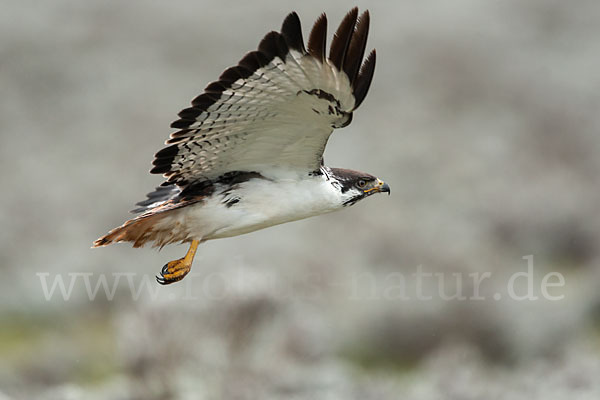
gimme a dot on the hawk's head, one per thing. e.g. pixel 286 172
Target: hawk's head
pixel 356 185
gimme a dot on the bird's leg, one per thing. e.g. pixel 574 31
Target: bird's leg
pixel 176 270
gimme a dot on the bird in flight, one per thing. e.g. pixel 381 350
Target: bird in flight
pixel 248 153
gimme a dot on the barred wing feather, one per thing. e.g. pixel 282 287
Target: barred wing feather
pixel 276 108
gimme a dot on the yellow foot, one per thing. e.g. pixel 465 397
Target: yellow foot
pixel 174 271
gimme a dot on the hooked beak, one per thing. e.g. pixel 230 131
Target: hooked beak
pixel 381 187
pixel 385 188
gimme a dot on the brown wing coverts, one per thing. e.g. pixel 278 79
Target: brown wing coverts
pixel 346 53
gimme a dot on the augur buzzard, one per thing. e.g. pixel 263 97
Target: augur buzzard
pixel 248 153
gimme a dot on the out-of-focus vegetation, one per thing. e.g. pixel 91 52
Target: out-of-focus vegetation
pixel 483 118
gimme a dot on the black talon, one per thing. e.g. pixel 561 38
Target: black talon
pixel 162 280
pixel 165 269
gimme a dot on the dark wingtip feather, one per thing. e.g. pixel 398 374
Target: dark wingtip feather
pixel 318 38
pixel 356 49
pixel 341 39
pixel 161 169
pixel 363 81
pixel 181 124
pixel 291 30
pixel 167 152
pixel 273 45
pixel 163 159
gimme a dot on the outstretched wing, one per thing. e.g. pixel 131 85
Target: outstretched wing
pixel 276 108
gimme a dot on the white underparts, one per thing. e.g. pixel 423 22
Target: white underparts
pixel 261 203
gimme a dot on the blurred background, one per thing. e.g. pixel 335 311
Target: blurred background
pixel 482 117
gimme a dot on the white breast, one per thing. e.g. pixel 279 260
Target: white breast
pixel 263 203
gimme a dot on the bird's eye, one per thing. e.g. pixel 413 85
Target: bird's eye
pixel 361 183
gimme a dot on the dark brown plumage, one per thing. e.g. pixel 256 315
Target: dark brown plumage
pixel 341 39
pixel 317 39
pixel 357 47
